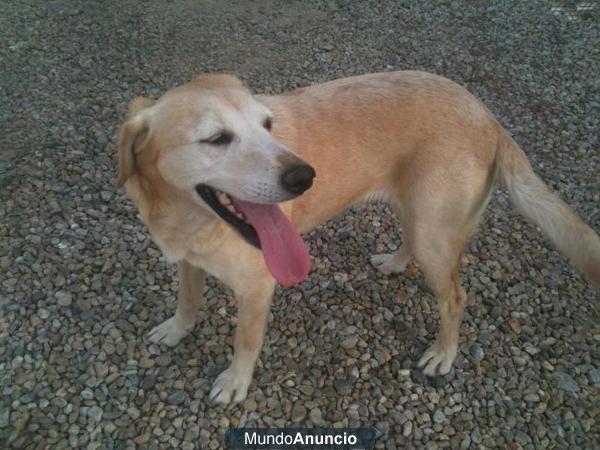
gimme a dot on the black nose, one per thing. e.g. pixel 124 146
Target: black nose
pixel 298 179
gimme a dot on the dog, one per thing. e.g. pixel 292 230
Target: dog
pixel 226 180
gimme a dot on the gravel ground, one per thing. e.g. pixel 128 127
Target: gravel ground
pixel 81 282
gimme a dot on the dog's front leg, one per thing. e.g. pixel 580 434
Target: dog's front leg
pixel 191 287
pixel 253 312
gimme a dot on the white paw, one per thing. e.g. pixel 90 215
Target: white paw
pixel 434 357
pixel 170 332
pixel 230 386
pixel 389 263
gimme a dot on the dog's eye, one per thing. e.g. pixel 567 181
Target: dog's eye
pixel 223 138
pixel 268 123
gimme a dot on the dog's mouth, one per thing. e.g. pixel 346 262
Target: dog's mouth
pixel 222 204
pixel 265 227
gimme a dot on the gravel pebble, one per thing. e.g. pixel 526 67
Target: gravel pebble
pixel 594 376
pixel 316 416
pixel 476 352
pixel 63 298
pixel 566 382
pixel 95 413
pixel 176 398
pixel 349 342
pixel 298 412
pixel 4 417
pixel 87 394
pixel 439 417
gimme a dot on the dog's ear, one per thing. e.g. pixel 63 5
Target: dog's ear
pixel 131 137
pixel 138 104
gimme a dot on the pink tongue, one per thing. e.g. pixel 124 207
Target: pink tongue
pixel 283 248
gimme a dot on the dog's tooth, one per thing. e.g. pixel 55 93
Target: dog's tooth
pixel 223 198
pixel 230 208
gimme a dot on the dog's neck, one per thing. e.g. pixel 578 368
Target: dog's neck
pixel 177 227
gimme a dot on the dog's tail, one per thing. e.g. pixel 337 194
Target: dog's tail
pixel 567 231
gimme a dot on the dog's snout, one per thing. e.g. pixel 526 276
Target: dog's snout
pixel 298 178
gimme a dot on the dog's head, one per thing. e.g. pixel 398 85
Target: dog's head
pixel 209 142
pixel 211 132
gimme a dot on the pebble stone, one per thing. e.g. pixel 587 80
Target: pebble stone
pixel 566 382
pixel 176 398
pixel 63 298
pixel 298 412
pixel 594 376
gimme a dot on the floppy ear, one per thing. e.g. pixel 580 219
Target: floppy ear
pixel 131 135
pixel 139 103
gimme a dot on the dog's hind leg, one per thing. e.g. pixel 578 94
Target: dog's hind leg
pixel 438 256
pixel 191 286
pixel 440 222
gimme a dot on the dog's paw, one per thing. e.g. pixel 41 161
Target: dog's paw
pixel 389 263
pixel 170 332
pixel 230 386
pixel 436 357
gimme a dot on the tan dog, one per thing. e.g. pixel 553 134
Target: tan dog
pixel 205 169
